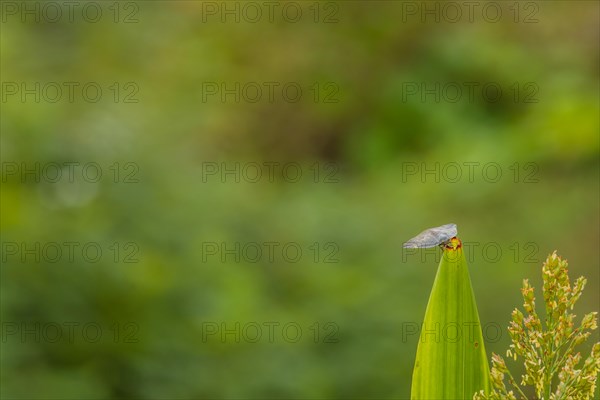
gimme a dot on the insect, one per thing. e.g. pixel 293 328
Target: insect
pixel 432 237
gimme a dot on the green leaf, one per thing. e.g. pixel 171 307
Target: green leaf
pixel 451 362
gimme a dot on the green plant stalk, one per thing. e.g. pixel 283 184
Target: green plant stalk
pixel 451 361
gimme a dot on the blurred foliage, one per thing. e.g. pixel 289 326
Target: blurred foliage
pixel 372 133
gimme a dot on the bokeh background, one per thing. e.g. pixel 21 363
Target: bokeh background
pixel 367 140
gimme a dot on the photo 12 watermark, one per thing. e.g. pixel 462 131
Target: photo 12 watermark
pixel 470 92
pixel 69 332
pixel 69 172
pixel 527 252
pixel 252 12
pixel 518 12
pixel 270 252
pixel 269 332
pixel 471 172
pixel 69 252
pixel 69 92
pixel 269 92
pixel 269 172
pixel 451 332
pixel 52 12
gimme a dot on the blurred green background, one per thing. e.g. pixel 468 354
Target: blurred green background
pixel 369 139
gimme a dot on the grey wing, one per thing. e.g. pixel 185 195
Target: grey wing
pixel 432 237
pixel 423 240
pixel 446 232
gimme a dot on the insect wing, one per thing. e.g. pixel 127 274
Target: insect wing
pixel 432 237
